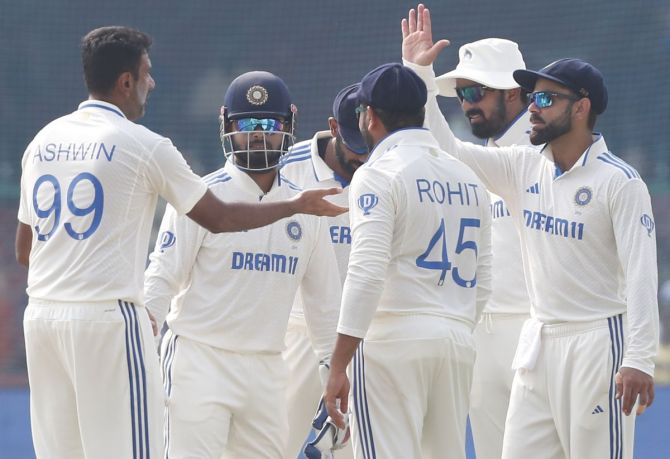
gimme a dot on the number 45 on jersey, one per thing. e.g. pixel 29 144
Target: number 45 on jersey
pixel 440 261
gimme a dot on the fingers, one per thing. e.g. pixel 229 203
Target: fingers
pixel 404 28
pixel 618 381
pixel 412 21
pixel 333 412
pixel 334 210
pixel 420 17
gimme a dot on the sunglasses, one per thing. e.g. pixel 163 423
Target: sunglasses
pixel 472 94
pixel 360 109
pixel 544 99
pixel 266 124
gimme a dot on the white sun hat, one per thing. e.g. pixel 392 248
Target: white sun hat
pixel 489 62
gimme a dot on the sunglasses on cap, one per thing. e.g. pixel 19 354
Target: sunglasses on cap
pixel 472 94
pixel 266 124
pixel 544 99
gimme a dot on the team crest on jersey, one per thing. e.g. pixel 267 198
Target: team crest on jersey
pixel 167 240
pixel 583 196
pixel 257 95
pixel 367 201
pixel 294 230
pixel 648 223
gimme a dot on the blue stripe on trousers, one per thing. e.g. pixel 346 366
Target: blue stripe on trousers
pixel 615 325
pixel 361 405
pixel 137 385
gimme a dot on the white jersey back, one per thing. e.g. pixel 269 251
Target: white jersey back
pixel 89 187
pixel 421 232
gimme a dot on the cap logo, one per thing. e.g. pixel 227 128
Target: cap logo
pixel 583 92
pixel 257 95
pixel 467 55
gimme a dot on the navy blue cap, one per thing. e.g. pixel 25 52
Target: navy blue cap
pixel 257 94
pixel 344 111
pixel 575 74
pixel 394 88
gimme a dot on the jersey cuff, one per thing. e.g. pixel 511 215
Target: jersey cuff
pixel 355 332
pixel 643 367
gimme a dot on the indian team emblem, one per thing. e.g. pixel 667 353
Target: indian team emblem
pixel 648 223
pixel 294 230
pixel 367 201
pixel 167 240
pixel 257 95
pixel 583 196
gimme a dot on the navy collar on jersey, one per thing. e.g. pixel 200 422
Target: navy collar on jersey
pixel 101 104
pixel 598 146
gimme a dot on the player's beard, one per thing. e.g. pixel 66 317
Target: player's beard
pixel 492 126
pixel 348 166
pixel 254 155
pixel 553 130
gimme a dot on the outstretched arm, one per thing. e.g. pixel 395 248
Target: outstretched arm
pixel 218 216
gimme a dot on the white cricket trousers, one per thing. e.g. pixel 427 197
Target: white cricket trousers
pixel 496 337
pixel 411 380
pixel 222 404
pixel 304 389
pixel 95 387
pixel 565 407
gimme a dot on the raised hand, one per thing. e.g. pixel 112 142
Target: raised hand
pixel 417 37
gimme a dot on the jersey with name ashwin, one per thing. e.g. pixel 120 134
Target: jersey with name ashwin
pixel 234 291
pixel 421 236
pixel 305 168
pixel 89 188
pixel 587 234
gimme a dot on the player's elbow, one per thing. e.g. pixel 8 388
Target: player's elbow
pixel 22 257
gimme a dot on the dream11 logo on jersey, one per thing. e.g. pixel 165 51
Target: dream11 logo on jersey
pixel 367 201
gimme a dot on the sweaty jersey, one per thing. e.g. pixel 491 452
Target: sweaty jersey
pixel 234 291
pixel 305 168
pixel 89 188
pixel 421 236
pixel 588 238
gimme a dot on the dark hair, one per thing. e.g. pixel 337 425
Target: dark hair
pixel 393 121
pixel 108 52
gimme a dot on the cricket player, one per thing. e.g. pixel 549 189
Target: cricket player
pixel 497 110
pixel 329 159
pixel 229 296
pixel 89 187
pixel 418 279
pixel 586 357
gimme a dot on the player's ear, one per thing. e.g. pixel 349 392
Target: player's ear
pixel 332 124
pixel 123 82
pixel 581 108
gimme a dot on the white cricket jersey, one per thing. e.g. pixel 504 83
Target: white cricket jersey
pixel 234 291
pixel 305 168
pixel 421 236
pixel 89 188
pixel 587 234
pixel 509 293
